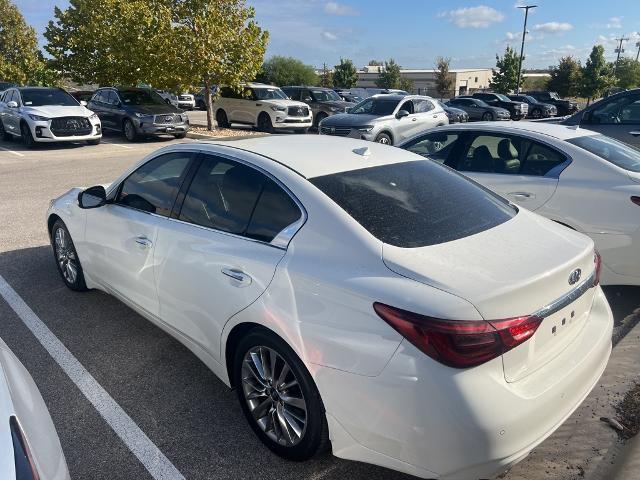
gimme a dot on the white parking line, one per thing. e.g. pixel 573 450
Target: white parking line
pixel 117 145
pixel 12 151
pixel 140 445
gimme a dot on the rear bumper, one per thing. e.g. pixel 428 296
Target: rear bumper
pixel 429 420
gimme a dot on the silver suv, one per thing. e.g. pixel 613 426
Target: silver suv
pixel 388 119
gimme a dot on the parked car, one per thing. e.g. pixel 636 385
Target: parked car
pixel 29 444
pixel 478 109
pixel 457 301
pixel 455 115
pixel 137 112
pixel 169 98
pixel 349 97
pixel 263 106
pixel 537 109
pixel 186 101
pixel 565 107
pixel 518 110
pixel 44 115
pixel 82 95
pixel 6 85
pixel 579 178
pixel 386 118
pixel 323 102
pixel 617 116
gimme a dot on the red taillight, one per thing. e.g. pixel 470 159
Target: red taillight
pixel 635 200
pixel 459 343
pixel 597 260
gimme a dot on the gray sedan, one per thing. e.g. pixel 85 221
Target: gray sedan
pixel 387 119
pixel 479 109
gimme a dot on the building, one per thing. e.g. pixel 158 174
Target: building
pixel 465 80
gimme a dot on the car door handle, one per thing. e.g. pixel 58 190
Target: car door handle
pixel 414 119
pixel 635 133
pixel 143 242
pixel 522 195
pixel 435 116
pixel 258 104
pixel 239 276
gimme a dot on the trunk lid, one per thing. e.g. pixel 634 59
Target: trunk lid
pixel 517 268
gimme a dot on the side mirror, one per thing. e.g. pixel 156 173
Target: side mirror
pixel 93 197
pixel 83 103
pixel 401 114
pixel 12 104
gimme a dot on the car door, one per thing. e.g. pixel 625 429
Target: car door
pixel 217 257
pixel 618 118
pixel 120 236
pixel 523 170
pixel 474 110
pixel 96 105
pixel 404 126
pixel 424 116
pixel 9 113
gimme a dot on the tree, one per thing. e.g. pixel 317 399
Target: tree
pixel 326 77
pixel 279 70
pixel 596 75
pixel 375 63
pixel 406 84
pixel 389 76
pixel 628 73
pixel 345 74
pixel 505 79
pixel 444 81
pixel 18 45
pixel 566 77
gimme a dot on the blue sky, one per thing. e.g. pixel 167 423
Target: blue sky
pixel 414 32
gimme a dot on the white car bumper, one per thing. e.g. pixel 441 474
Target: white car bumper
pixel 44 131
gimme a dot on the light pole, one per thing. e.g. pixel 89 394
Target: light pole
pixel 524 34
pixel 638 54
pixel 619 50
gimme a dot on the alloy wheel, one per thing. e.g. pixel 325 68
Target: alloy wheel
pixel 274 396
pixel 66 256
pixel 129 131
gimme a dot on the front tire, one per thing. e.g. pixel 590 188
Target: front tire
pixel 67 261
pixel 221 119
pixel 129 131
pixel 537 113
pixel 487 116
pixel 278 397
pixel 384 138
pixel 27 137
pixel 264 123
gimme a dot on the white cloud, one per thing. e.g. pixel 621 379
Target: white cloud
pixel 335 8
pixel 552 27
pixel 327 35
pixel 614 22
pixel 473 17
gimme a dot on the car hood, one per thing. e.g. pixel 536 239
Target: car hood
pixel 53 111
pixel 283 103
pixel 351 120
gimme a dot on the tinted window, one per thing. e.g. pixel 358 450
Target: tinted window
pixel 618 153
pixel 423 106
pixel 416 203
pixel 227 92
pixel 222 195
pixel 375 106
pixel 292 93
pixel 36 97
pixel 275 211
pixel 434 145
pixel 269 93
pixel 153 187
pixel 141 97
pixel 540 160
pixel 407 106
pixel 625 109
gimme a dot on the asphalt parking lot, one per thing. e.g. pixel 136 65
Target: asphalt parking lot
pixel 191 417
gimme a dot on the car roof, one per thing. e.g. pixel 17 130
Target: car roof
pixel 560 132
pixel 318 155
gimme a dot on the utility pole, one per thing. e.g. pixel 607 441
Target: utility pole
pixel 619 50
pixel 524 34
pixel 638 54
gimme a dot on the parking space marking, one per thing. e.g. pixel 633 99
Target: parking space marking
pixel 12 151
pixel 117 145
pixel 156 463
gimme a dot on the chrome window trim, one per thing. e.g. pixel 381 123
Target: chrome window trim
pixel 567 299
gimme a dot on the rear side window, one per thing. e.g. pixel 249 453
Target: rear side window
pixel 614 151
pixel 275 211
pixel 416 203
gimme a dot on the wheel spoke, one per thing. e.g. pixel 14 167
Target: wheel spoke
pixel 283 423
pixel 257 362
pixel 294 401
pixel 262 409
pixel 292 422
pixel 72 271
pixel 282 377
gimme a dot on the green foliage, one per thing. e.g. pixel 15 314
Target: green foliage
pixel 406 84
pixel 375 63
pixel 628 73
pixel 566 77
pixel 44 74
pixel 505 78
pixel 281 71
pixel 534 83
pixel 444 81
pixel 596 75
pixel 389 76
pixel 18 46
pixel 345 74
pixel 326 77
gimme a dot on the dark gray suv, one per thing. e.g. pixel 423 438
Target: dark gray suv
pixel 324 102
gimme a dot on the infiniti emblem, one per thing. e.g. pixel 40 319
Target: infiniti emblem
pixel 575 276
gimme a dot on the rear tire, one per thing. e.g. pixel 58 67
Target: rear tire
pixel 292 421
pixel 129 131
pixel 6 136
pixel 221 119
pixel 537 113
pixel 27 137
pixel 66 257
pixel 384 138
pixel 264 123
pixel 487 116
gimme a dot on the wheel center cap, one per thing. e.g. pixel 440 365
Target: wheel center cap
pixel 274 395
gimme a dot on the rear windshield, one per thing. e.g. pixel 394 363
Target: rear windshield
pixel 416 203
pixel 614 151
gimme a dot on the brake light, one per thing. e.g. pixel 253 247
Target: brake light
pixel 25 465
pixel 635 200
pixel 459 343
pixel 597 260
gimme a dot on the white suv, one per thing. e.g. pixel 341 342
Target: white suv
pixel 263 106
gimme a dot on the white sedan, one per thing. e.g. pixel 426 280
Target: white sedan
pixel 576 177
pixel 29 445
pixel 354 292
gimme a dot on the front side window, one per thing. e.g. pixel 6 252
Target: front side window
pixel 435 146
pixel 375 106
pixel 40 97
pixel 624 110
pixel 325 96
pixel 141 97
pixel 423 106
pixel 614 151
pixel 272 93
pixel 415 203
pixel 153 187
pixel 235 198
